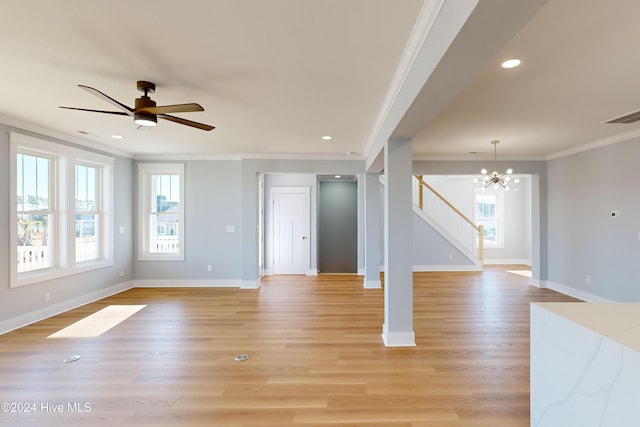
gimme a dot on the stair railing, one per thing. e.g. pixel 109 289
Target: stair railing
pixel 459 227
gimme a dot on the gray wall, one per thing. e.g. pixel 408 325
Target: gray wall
pixel 583 238
pixel 212 202
pixel 432 250
pixel 27 299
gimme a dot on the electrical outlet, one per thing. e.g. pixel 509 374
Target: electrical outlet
pixel 588 279
pixel 121 274
pixel 47 296
pixel 209 267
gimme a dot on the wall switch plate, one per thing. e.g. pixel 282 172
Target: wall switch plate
pixel 209 267
pixel 231 228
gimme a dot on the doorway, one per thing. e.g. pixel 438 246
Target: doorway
pixel 337 225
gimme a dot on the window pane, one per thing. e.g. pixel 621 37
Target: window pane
pixel 32 183
pixel 165 233
pixel 86 238
pixel 164 214
pixel 86 188
pixel 33 242
pixel 165 193
pixel 489 231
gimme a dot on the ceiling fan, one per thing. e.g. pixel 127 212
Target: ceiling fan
pixel 146 113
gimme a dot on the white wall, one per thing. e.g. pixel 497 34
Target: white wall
pixel 459 190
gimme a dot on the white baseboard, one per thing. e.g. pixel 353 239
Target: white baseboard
pixel 573 292
pixel 53 310
pixel 507 261
pixel 398 339
pixel 250 284
pixel 425 268
pixel 173 283
pixel 372 284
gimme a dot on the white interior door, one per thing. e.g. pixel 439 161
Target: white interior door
pixel 291 243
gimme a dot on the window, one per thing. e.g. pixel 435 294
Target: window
pixel 489 213
pixel 87 215
pixel 49 179
pixel 161 207
pixel 35 214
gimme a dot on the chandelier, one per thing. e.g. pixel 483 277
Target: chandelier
pixel 494 179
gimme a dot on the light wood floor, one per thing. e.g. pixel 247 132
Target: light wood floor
pixel 316 357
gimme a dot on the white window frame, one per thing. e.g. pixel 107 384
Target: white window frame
pixel 62 198
pixel 98 212
pixel 145 171
pixel 499 215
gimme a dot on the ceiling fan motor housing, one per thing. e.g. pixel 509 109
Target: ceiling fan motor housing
pixel 141 116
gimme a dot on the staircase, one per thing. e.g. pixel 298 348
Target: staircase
pixel 452 224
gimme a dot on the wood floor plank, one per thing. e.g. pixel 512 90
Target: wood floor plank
pixel 316 357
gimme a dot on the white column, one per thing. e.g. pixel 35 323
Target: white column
pixel 372 231
pixel 397 330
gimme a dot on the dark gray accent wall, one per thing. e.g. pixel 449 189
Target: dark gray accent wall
pixel 338 227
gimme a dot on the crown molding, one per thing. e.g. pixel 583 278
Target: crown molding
pixel 622 137
pixel 18 125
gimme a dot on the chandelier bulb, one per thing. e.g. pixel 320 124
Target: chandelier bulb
pixel 509 171
pixel 483 171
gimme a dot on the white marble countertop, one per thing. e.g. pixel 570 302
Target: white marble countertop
pixel 618 321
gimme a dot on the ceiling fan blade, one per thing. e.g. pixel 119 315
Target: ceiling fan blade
pixel 107 98
pixel 186 122
pixel 119 113
pixel 178 108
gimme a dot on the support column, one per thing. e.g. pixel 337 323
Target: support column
pixel 397 330
pixel 372 231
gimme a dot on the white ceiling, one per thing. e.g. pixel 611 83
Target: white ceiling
pixel 276 75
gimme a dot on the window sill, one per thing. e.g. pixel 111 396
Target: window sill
pixel 44 275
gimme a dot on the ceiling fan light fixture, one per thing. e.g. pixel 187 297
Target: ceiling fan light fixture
pixel 145 119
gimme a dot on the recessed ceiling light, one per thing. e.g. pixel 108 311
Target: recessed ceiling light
pixel 510 63
pixel 337 176
pixel 117 136
pixel 327 138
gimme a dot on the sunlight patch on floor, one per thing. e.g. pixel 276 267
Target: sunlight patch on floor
pixel 99 322
pixel 523 273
